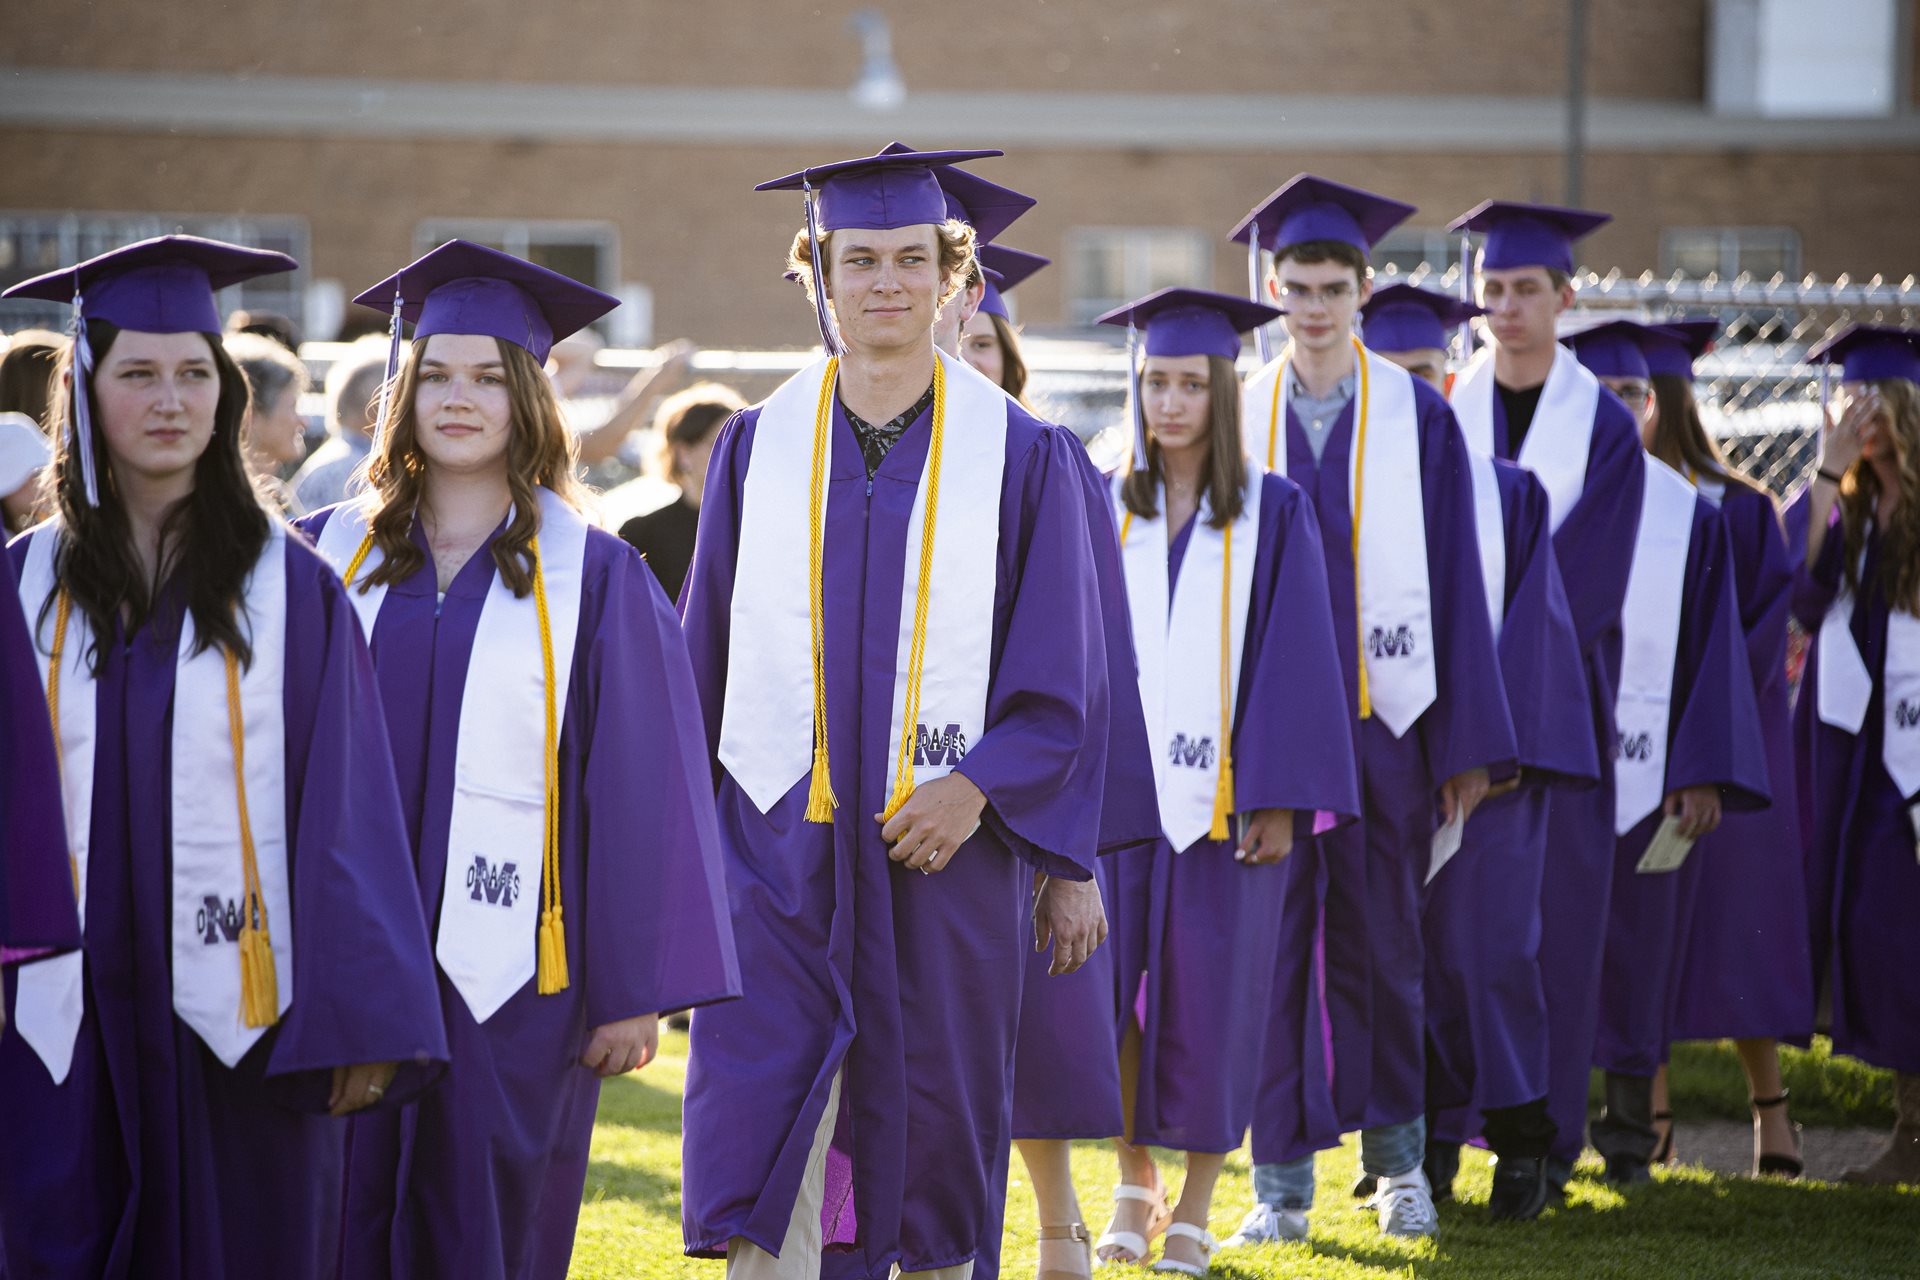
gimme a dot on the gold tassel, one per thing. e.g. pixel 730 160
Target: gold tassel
pixel 259 983
pixel 1222 799
pixel 902 792
pixel 551 965
pixel 821 801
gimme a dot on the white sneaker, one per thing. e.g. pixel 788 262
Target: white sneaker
pixel 1265 1224
pixel 1405 1205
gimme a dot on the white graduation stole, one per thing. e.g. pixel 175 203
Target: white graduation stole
pixel 1560 437
pixel 1650 627
pixel 1177 645
pixel 490 891
pixel 1396 604
pixel 1845 687
pixel 766 722
pixel 1490 531
pixel 207 887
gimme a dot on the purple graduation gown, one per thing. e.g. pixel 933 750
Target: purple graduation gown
pixel 1200 927
pixel 1862 876
pixel 1744 970
pixel 1367 876
pixel 1486 1006
pixel 646 926
pixel 1713 739
pixel 37 914
pixel 1594 547
pixel 910 982
pixel 153 1160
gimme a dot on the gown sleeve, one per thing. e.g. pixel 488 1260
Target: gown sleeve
pixel 657 931
pixel 37 912
pixel 1716 738
pixel 1595 541
pixel 1540 659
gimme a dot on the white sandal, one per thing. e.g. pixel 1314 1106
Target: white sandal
pixel 1200 1236
pixel 1133 1241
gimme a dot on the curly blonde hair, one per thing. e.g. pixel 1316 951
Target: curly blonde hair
pixel 1859 492
pixel 957 264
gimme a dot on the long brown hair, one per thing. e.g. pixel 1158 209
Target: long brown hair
pixel 1226 459
pixel 1860 487
pixel 1681 441
pixel 1013 368
pixel 218 531
pixel 540 452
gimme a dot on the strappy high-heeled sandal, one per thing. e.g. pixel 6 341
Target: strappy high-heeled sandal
pixel 1070 1232
pixel 1771 1164
pixel 1201 1237
pixel 1135 1242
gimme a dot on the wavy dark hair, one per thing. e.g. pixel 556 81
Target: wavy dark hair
pixel 1860 488
pixel 1013 367
pixel 219 530
pixel 540 451
pixel 1681 441
pixel 1227 464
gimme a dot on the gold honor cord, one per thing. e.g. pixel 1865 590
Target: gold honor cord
pixel 550 954
pixel 1274 427
pixel 821 801
pixel 259 984
pixel 1223 791
pixel 917 654
pixel 62 610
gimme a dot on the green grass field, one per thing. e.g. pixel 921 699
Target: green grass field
pixel 1687 1223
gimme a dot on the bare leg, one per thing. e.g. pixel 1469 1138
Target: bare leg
pixel 1196 1201
pixel 1662 1127
pixel 1050 1170
pixel 1136 1163
pixel 1773 1127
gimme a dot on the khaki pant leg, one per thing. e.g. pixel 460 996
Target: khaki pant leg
pixel 959 1271
pixel 800 1251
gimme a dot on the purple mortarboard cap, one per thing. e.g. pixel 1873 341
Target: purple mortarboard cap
pixel 1310 208
pixel 1192 322
pixel 987 207
pixel 1528 235
pixel 1005 268
pixel 463 287
pixel 1613 349
pixel 881 192
pixel 162 285
pixel 1401 317
pixel 1870 352
pixel 1671 348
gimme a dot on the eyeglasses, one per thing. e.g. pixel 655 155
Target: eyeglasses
pixel 1338 291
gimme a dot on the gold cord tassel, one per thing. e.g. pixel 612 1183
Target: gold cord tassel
pixel 550 954
pixel 259 983
pixel 917 650
pixel 1223 788
pixel 821 801
pixel 62 611
pixel 1359 492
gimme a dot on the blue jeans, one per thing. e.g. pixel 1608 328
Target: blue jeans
pixel 1386 1152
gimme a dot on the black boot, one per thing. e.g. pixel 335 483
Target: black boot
pixel 1519 1189
pixel 1442 1165
pixel 1624 1135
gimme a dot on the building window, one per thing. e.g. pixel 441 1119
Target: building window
pixel 33 243
pixel 1405 250
pixel 1110 266
pixel 1727 252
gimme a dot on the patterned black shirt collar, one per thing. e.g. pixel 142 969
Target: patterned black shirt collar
pixel 876 441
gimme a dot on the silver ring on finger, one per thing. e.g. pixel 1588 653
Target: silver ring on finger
pixel 375 1092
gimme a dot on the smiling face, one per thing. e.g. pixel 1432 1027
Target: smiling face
pixel 1176 401
pixel 1522 304
pixel 463 416
pixel 155 394
pixel 884 286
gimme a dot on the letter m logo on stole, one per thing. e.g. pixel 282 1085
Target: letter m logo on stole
pixel 1906 714
pixel 218 920
pixel 946 746
pixel 1390 642
pixel 1637 746
pixel 1190 753
pixel 497 885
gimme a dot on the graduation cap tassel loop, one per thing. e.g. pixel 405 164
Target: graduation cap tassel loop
pixel 820 798
pixel 393 366
pixel 828 336
pixel 1137 410
pixel 1466 295
pixel 917 651
pixel 550 955
pixel 82 408
pixel 259 983
pixel 1261 342
pixel 1223 788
